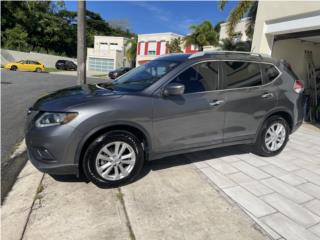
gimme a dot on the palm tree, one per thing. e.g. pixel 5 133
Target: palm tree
pixel 229 45
pixel 131 51
pixel 248 8
pixel 174 46
pixel 202 35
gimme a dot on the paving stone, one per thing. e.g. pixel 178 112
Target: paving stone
pixel 222 167
pixel 311 189
pixel 250 202
pixel 257 188
pixel 274 170
pixel 292 179
pixel 288 228
pixel 285 165
pixel 256 162
pixel 217 178
pixel 250 170
pixel 287 190
pixel 310 176
pixel 292 210
pixel 201 164
pixel 313 206
pixel 240 178
pixel 316 229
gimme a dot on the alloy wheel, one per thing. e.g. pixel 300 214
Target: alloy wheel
pixel 275 137
pixel 115 161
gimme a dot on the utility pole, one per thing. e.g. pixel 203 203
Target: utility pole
pixel 81 42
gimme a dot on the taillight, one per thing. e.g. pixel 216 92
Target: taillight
pixel 298 86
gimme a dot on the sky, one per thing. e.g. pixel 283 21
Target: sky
pixel 156 16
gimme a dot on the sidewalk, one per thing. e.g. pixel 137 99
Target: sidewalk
pixel 171 200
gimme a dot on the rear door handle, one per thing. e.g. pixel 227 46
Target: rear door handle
pixel 216 103
pixel 267 95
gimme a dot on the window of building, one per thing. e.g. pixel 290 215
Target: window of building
pixel 200 77
pixel 152 48
pixel 101 64
pixel 270 72
pixel 241 74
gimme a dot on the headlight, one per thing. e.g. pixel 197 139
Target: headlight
pixel 52 119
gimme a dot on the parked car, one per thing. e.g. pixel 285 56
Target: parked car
pixel 25 65
pixel 66 65
pixel 118 72
pixel 175 104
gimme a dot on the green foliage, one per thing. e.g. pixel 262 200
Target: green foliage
pixel 132 50
pixel 202 35
pixel 175 45
pixel 46 26
pixel 228 45
pixel 243 8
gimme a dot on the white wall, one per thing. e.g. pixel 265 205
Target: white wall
pixel 47 59
pixel 292 50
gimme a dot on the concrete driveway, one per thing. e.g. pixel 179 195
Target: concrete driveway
pixel 226 193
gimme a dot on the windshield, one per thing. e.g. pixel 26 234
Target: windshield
pixel 141 77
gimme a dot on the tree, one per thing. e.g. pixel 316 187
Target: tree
pixel 175 46
pixel 131 51
pixel 46 26
pixel 202 35
pixel 248 8
pixel 229 45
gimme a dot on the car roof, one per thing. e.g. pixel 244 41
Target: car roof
pixel 218 55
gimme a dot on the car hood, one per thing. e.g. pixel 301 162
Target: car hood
pixel 66 98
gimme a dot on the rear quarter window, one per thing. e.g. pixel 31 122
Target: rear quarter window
pixel 269 72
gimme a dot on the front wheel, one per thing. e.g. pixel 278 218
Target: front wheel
pixel 38 70
pixel 113 159
pixel 273 137
pixel 13 68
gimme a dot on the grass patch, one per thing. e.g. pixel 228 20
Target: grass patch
pixel 100 75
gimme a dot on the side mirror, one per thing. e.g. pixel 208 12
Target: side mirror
pixel 173 89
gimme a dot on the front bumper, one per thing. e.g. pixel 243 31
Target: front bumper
pixel 53 149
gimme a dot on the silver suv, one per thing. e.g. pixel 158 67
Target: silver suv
pixel 175 104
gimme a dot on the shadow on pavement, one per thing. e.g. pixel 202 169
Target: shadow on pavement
pixel 172 161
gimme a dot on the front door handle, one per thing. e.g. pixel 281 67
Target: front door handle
pixel 267 95
pixel 216 103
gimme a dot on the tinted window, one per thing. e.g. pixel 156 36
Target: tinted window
pixel 270 72
pixel 200 77
pixel 241 74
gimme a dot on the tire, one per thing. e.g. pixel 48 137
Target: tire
pixel 95 159
pixel 13 68
pixel 38 70
pixel 265 147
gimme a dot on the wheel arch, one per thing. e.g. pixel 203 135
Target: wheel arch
pixel 134 129
pixel 286 115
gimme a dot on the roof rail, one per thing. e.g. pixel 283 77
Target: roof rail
pixel 199 54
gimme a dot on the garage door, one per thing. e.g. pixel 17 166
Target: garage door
pixel 101 64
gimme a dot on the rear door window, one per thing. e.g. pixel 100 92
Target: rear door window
pixel 238 74
pixel 201 77
pixel 270 72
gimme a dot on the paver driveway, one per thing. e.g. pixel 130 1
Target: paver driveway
pixel 282 193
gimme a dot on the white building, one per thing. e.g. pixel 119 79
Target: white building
pixel 108 54
pixel 239 31
pixel 289 30
pixel 153 45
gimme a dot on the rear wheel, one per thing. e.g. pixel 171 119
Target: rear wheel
pixel 13 68
pixel 273 137
pixel 113 159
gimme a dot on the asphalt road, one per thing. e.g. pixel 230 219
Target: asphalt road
pixel 19 90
